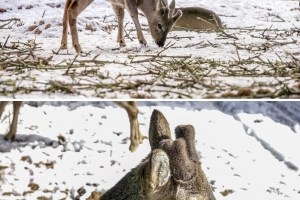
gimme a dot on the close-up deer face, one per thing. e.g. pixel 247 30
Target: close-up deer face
pixel 163 21
pixel 172 170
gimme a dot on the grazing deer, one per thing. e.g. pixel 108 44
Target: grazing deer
pixel 171 171
pixel 161 19
pixel 130 106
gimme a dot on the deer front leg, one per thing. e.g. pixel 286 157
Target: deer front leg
pixel 136 136
pixel 13 128
pixel 71 13
pixel 64 38
pixel 131 7
pixel 120 16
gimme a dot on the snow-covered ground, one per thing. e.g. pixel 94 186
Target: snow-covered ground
pixel 249 150
pixel 262 54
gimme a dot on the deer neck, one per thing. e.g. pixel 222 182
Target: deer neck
pixel 147 7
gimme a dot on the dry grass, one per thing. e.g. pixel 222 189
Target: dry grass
pixel 160 75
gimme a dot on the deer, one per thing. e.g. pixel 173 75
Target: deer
pixel 197 19
pixel 161 18
pixel 172 170
pixel 130 107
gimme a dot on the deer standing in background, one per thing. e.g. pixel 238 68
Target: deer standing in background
pixel 130 106
pixel 171 171
pixel 160 16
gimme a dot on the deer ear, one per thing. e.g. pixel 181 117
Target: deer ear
pixel 172 5
pixel 160 4
pixel 159 129
pixel 187 132
pixel 177 16
pixel 159 169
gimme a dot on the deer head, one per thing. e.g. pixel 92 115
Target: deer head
pixel 172 171
pixel 162 22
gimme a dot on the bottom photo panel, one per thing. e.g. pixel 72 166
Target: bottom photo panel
pixel 150 150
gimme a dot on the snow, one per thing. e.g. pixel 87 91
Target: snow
pixel 247 148
pixel 247 15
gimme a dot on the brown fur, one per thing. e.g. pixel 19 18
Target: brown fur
pixel 161 19
pixel 196 18
pixel 171 171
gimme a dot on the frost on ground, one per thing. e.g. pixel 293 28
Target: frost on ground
pixel 255 56
pixel 248 150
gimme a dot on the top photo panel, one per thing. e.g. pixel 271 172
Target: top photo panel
pixel 151 49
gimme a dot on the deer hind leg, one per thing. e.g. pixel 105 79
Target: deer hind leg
pixel 136 136
pixel 13 128
pixel 72 10
pixel 120 16
pixel 2 107
pixel 131 7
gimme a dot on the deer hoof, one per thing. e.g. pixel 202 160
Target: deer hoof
pixel 144 45
pixel 133 147
pixel 77 48
pixel 64 46
pixel 122 43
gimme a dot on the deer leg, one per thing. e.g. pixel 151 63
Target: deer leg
pixel 2 107
pixel 120 16
pixel 136 136
pixel 131 7
pixel 64 38
pixel 13 127
pixel 74 9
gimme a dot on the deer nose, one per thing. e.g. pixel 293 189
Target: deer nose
pixel 160 44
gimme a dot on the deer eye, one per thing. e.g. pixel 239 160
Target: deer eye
pixel 159 26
